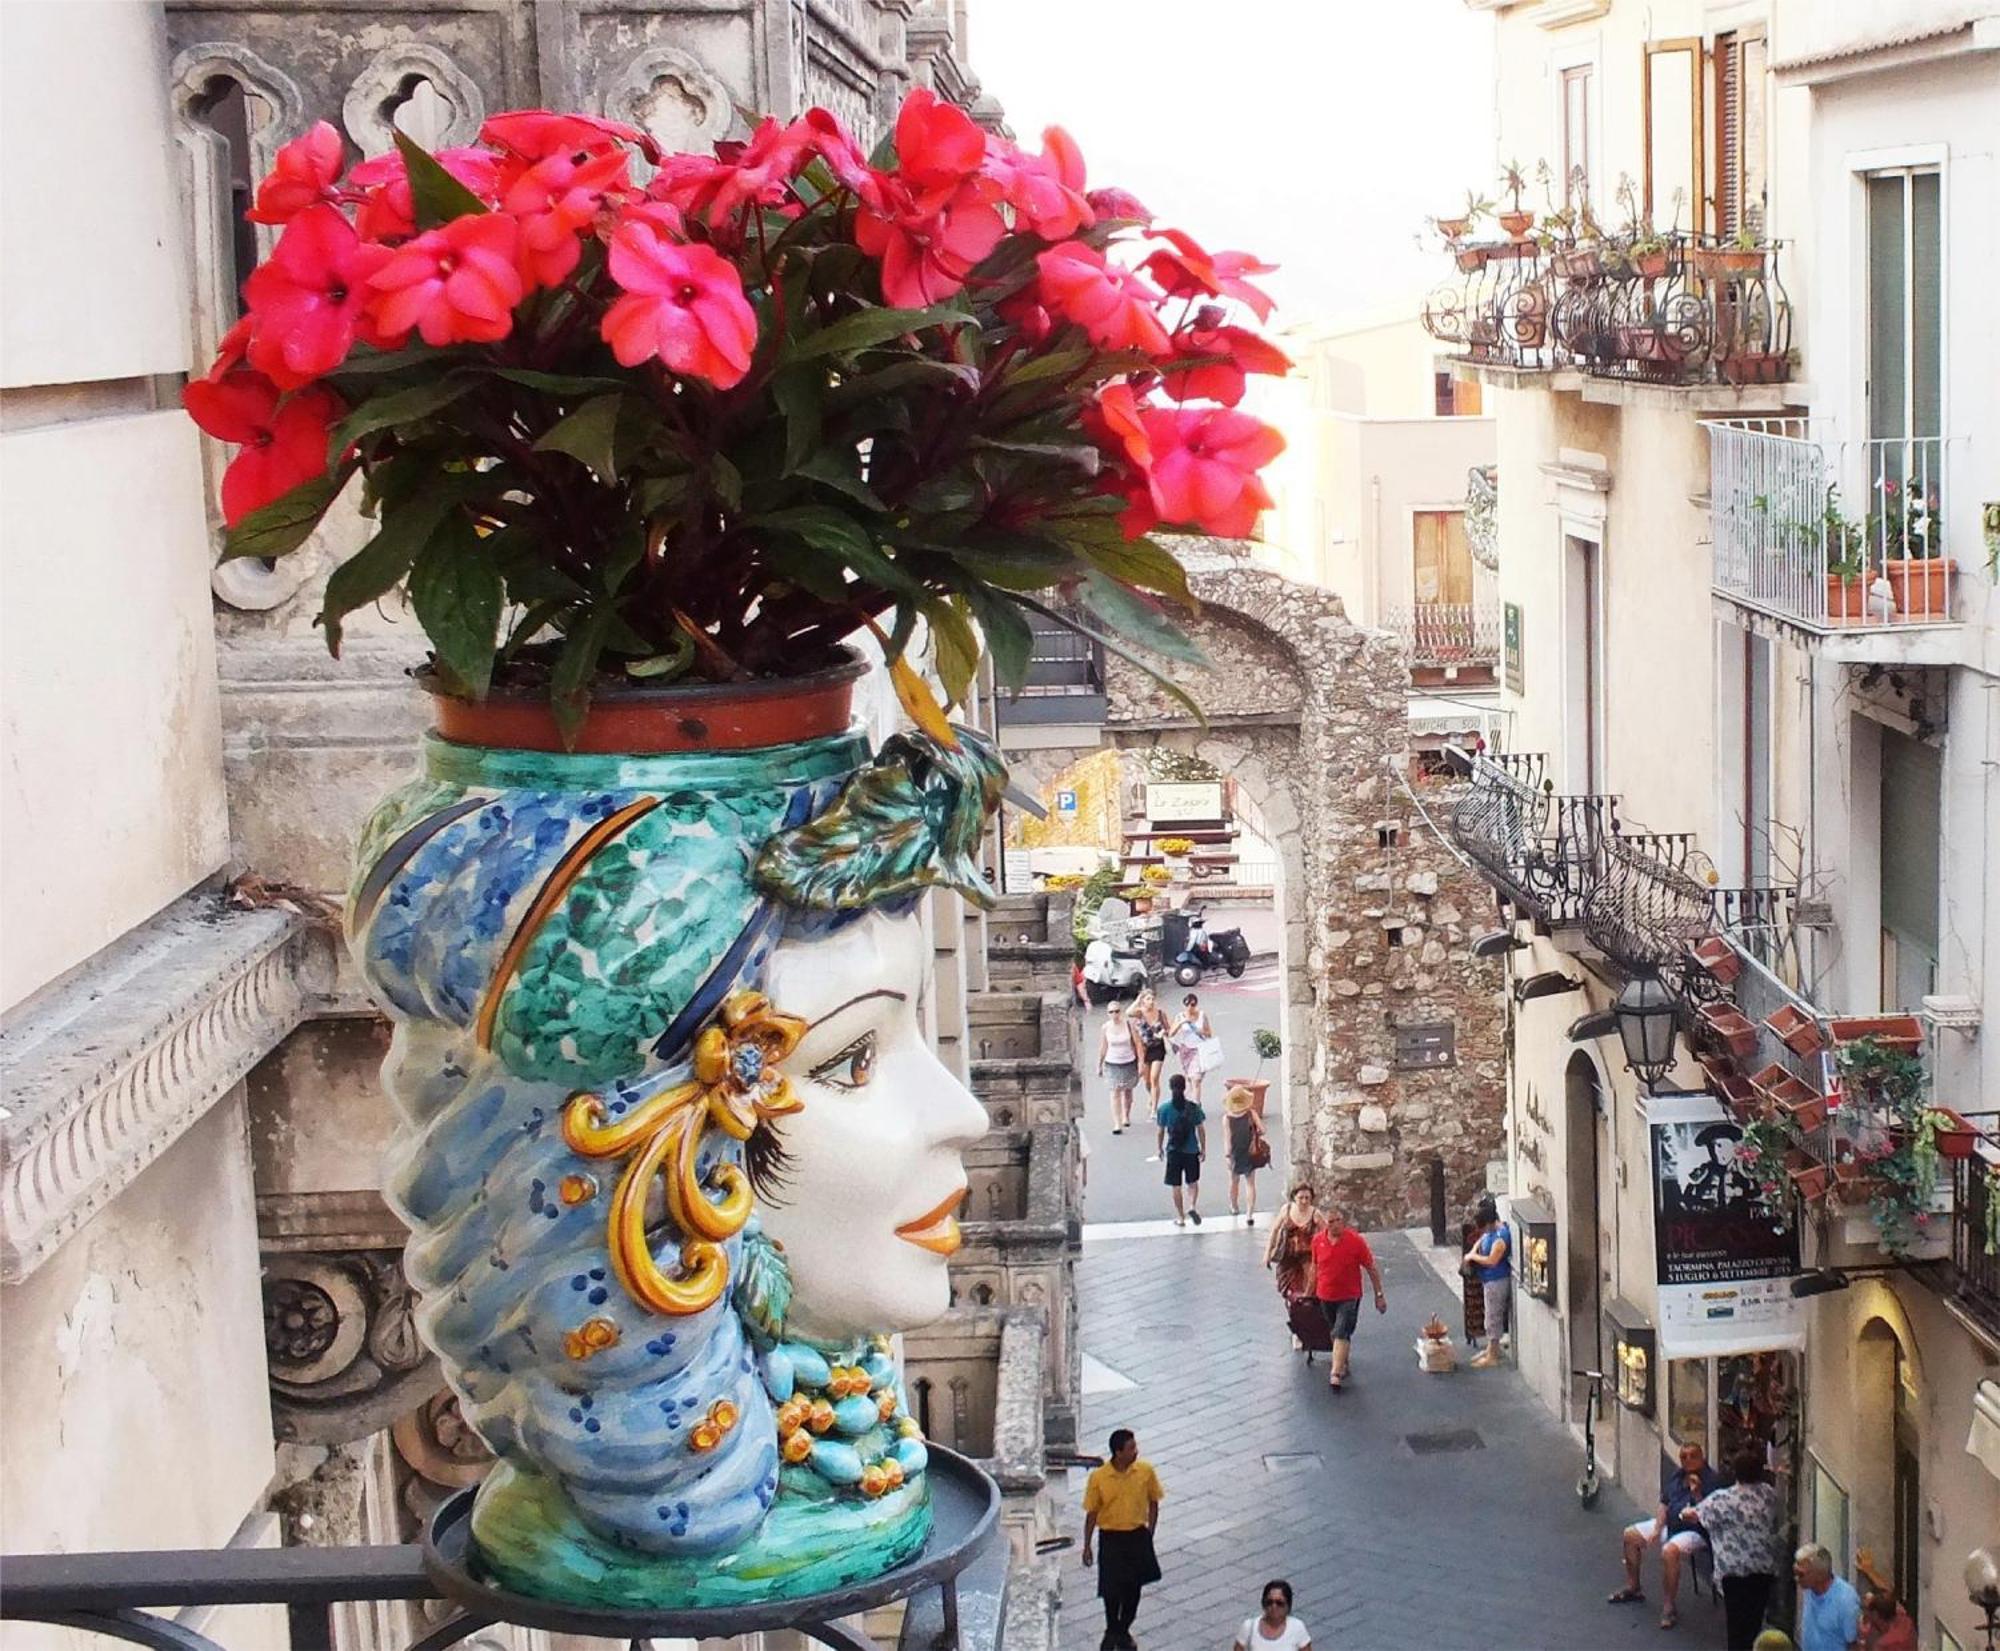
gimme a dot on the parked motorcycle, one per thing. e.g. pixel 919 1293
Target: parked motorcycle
pixel 1109 972
pixel 1190 951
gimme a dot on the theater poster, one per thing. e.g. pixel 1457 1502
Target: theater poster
pixel 1725 1256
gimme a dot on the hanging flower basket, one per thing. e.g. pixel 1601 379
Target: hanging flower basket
pixel 1808 1174
pixel 1731 1087
pixel 1727 1026
pixel 1795 1029
pixel 1891 1031
pixel 1722 961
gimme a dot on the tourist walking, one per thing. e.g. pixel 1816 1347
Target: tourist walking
pixel 1274 1628
pixel 1149 1024
pixel 1195 1043
pixel 1471 1293
pixel 1669 1530
pixel 1249 1151
pixel 1183 1144
pixel 1340 1256
pixel 1829 1608
pixel 1491 1257
pixel 1118 1065
pixel 1743 1525
pixel 1121 1505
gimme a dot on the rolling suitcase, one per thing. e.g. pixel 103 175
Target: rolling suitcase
pixel 1309 1325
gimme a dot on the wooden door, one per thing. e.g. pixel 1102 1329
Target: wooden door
pixel 1442 566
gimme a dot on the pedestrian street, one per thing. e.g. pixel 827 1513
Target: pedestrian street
pixel 1409 1510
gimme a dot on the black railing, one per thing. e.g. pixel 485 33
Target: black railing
pixel 1650 902
pixel 1540 848
pixel 1975 1265
pixel 1687 311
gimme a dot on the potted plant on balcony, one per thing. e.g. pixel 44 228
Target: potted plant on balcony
pixel 1846 552
pixel 1790 1096
pixel 1726 1026
pixel 1903 1032
pixel 1739 255
pixel 1904 523
pixel 1642 250
pixel 641 453
pixel 1951 1134
pixel 1458 227
pixel 1722 962
pixel 1517 221
pixel 1807 1173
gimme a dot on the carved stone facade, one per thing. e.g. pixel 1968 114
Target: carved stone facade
pixel 1308 712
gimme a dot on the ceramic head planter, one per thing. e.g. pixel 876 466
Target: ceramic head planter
pixel 675 1156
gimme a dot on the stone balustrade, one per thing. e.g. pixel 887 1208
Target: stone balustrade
pixel 1025 1047
pixel 1029 945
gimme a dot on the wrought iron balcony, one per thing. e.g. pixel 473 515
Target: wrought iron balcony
pixel 1447 633
pixel 1539 848
pixel 1651 901
pixel 1975 1230
pixel 1691 311
pixel 1830 537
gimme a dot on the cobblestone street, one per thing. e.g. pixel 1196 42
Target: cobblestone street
pixel 1391 1542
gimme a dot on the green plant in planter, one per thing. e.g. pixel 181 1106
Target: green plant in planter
pixel 1761 1154
pixel 706 418
pixel 1514 180
pixel 1268 1046
pixel 1097 888
pixel 1893 1135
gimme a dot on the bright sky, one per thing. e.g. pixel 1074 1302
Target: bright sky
pixel 1316 133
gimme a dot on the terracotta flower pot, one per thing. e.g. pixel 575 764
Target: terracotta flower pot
pixel 1714 262
pixel 1846 599
pixel 1452 228
pixel 1921 586
pixel 1788 1094
pixel 1516 224
pixel 1729 1027
pixel 1722 960
pixel 609 968
pixel 1795 1029
pixel 1891 1031
pixel 1808 1175
pixel 1754 367
pixel 1471 258
pixel 1955 1135
pixel 1808 1114
pixel 1855 1183
pixel 1650 266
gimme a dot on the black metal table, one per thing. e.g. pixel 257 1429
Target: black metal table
pixel 118 1595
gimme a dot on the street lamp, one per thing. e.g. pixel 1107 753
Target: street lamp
pixel 1648 1017
pixel 1982 1583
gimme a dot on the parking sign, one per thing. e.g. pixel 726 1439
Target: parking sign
pixel 1066 802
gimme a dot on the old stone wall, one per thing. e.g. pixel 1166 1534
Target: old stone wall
pixel 1308 712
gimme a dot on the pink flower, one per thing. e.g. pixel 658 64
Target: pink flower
pixel 553 200
pixel 304 172
pixel 1224 380
pixel 937 145
pixel 1204 468
pixel 283 439
pixel 536 134
pixel 1112 304
pixel 456 284
pixel 835 145
pixel 1045 190
pixel 1191 271
pixel 306 299
pixel 928 246
pixel 1118 204
pixel 759 171
pixel 387 213
pixel 682 302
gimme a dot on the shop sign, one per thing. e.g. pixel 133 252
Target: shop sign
pixel 1184 800
pixel 1725 1256
pixel 1510 647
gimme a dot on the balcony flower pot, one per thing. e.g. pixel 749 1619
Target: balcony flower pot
pixel 1795 1029
pixel 1955 1137
pixel 1576 264
pixel 1649 266
pixel 1516 224
pixel 1808 1175
pixel 1855 1183
pixel 648 920
pixel 1921 586
pixel 1806 1114
pixel 1891 1031
pixel 1722 262
pixel 1754 367
pixel 1722 960
pixel 1729 1028
pixel 1452 229
pixel 1846 599
pixel 1786 1093
pixel 1470 258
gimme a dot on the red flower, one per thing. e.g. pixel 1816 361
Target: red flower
pixel 1222 380
pixel 937 145
pixel 682 302
pixel 835 145
pixel 1190 271
pixel 304 172
pixel 1204 468
pixel 758 171
pixel 455 284
pixel 1045 190
pixel 283 439
pixel 1112 304
pixel 554 199
pixel 928 246
pixel 232 347
pixel 1118 204
pixel 387 213
pixel 1027 317
pixel 306 299
pixel 536 134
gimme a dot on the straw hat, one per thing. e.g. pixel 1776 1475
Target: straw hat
pixel 1236 1102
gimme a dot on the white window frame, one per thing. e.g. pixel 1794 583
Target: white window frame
pixel 1859 166
pixel 1586 53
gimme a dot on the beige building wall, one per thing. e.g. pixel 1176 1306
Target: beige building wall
pixel 112 801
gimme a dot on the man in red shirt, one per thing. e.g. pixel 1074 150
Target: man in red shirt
pixel 1340 1256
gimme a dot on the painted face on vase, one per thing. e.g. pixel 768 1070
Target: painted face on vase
pixel 872 1181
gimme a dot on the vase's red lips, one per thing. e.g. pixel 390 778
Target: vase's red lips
pixel 936 1229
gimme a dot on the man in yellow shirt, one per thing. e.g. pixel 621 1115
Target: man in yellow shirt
pixel 1121 1501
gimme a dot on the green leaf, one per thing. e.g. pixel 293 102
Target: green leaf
pixel 1143 562
pixel 455 591
pixel 558 384
pixel 797 392
pixel 841 472
pixel 825 528
pixel 403 407
pixel 379 566
pixel 1173 689
pixel 286 522
pixel 664 667
pixel 955 647
pixel 1010 639
pixel 1081 454
pixel 537 617
pixel 436 196
pixel 865 329
pixel 655 493
pixel 588 435
pixel 1056 364
pixel 957 375
pixel 726 481
pixel 369 363
pixel 1130 615
pixel 569 682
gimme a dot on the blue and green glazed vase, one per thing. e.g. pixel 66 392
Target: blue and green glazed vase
pixel 675 1156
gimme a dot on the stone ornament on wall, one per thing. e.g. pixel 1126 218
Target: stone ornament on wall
pixel 668 93
pixel 369 109
pixel 344 1354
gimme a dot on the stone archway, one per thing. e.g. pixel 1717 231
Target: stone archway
pixel 1308 712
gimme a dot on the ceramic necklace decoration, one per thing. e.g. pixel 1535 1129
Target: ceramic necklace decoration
pixel 641 440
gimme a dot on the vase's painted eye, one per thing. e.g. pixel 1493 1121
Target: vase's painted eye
pixel 852 1067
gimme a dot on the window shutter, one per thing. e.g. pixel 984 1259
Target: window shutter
pixel 1729 134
